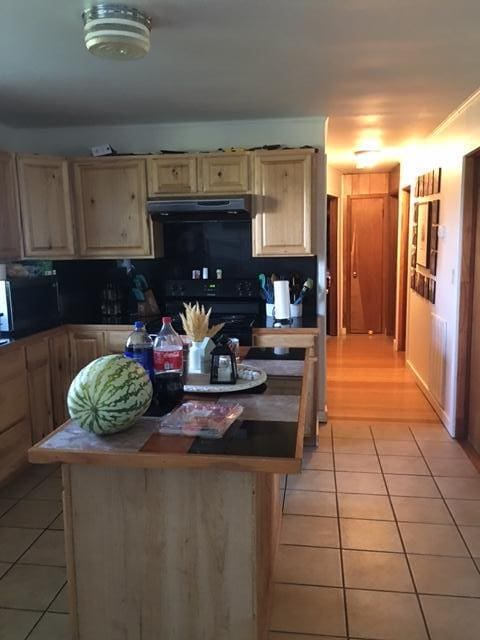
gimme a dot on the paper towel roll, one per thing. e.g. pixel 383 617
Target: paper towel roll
pixel 281 293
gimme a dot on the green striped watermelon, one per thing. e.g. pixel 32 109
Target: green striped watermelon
pixel 108 394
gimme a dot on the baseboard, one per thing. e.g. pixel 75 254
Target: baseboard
pixel 441 413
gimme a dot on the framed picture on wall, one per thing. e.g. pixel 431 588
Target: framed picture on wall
pixel 415 213
pixel 423 233
pixel 412 279
pixel 431 290
pixel 435 214
pixel 437 178
pixel 432 265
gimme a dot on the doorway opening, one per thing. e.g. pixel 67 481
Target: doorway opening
pixel 332 265
pixel 468 368
pixel 403 269
pixel 370 240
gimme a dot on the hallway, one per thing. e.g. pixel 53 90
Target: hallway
pixel 367 379
pixel 381 532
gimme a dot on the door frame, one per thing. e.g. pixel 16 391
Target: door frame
pixel 403 269
pixel 470 219
pixel 332 264
pixel 347 255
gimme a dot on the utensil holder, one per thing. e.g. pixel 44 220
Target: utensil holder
pixel 296 310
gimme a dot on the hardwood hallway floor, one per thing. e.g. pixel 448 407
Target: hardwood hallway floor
pixel 367 379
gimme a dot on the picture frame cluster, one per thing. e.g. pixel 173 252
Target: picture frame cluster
pixel 428 184
pixel 424 244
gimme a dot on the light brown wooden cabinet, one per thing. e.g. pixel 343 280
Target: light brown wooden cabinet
pixel 224 173
pixel 172 175
pixel 10 231
pixel 85 346
pixel 282 223
pixel 61 375
pixel 15 434
pixel 39 388
pixel 110 205
pixel 115 341
pixel 45 206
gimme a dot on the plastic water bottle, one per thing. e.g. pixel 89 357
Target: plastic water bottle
pixel 139 347
pixel 168 368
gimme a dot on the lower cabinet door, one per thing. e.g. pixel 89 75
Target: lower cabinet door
pixel 14 444
pixel 85 347
pixel 40 394
pixel 61 376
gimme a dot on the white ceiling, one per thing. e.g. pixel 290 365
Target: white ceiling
pixel 391 69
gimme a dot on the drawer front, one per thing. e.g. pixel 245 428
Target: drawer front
pixel 115 341
pixel 14 444
pixel 13 400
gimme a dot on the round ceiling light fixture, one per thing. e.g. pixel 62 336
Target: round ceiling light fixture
pixel 366 158
pixel 116 31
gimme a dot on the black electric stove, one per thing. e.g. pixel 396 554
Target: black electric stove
pixel 236 302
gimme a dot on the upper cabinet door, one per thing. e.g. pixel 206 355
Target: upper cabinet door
pixel 283 204
pixel 172 175
pixel 45 207
pixel 10 239
pixel 110 204
pixel 225 173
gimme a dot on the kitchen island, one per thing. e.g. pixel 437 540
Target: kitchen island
pixel 175 537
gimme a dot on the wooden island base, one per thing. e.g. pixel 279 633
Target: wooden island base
pixel 170 554
pixel 175 538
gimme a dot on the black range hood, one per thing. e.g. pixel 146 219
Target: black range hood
pixel 200 209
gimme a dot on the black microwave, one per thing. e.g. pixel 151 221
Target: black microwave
pixel 28 305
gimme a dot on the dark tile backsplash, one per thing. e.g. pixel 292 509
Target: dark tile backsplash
pixel 216 245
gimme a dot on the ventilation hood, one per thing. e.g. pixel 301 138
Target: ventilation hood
pixel 200 209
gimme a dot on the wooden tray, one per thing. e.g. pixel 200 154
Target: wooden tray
pixel 200 383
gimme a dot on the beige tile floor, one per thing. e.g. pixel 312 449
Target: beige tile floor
pixel 33 598
pixel 380 541
pixel 380 538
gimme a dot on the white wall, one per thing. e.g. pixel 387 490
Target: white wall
pixel 181 136
pixel 445 148
pixel 334 181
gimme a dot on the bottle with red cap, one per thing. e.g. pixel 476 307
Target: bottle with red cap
pixel 168 350
pixel 168 368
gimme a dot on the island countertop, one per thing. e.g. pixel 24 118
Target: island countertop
pixel 267 438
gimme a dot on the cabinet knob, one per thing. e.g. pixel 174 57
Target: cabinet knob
pixel 219 174
pixel 354 274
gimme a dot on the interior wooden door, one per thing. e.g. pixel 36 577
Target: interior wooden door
pixel 365 264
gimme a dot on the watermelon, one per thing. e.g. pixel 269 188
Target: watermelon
pixel 109 394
